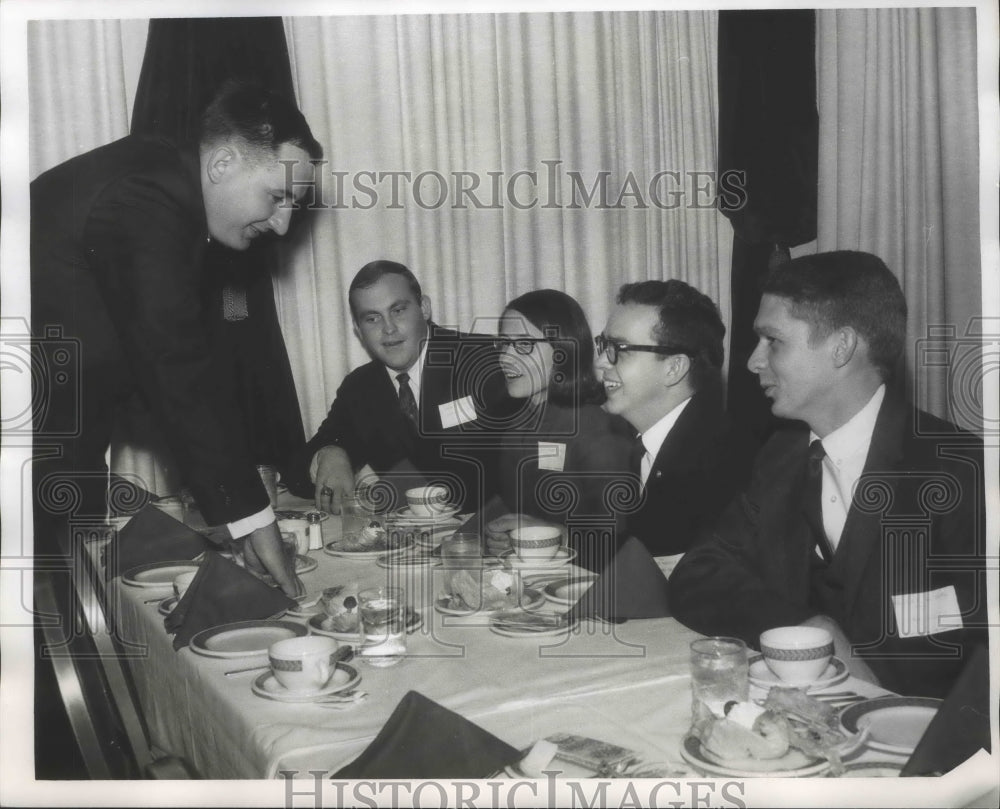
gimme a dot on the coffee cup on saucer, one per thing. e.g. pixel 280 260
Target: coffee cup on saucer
pixel 536 543
pixel 427 501
pixel 303 665
pixel 797 654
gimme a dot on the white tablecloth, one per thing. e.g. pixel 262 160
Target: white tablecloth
pixel 626 684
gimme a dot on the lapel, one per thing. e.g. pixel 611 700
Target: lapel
pixel 862 532
pixel 436 378
pixel 683 448
pixel 382 408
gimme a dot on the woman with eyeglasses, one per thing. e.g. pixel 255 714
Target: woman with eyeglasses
pixel 559 458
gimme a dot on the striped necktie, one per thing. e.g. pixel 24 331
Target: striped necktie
pixel 407 402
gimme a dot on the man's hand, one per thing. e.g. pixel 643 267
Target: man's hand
pixel 842 648
pixel 334 478
pixel 262 549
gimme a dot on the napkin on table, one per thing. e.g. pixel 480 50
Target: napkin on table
pixel 630 586
pixel 222 593
pixel 150 536
pixel 425 740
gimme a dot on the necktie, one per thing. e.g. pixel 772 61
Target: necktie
pixel 637 459
pixel 812 498
pixel 407 403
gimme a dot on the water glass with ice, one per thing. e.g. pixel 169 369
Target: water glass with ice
pixel 383 626
pixel 719 674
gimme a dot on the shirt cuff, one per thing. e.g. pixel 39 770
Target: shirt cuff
pixel 248 525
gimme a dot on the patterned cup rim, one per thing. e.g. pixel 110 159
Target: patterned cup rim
pixel 283 664
pixel 814 653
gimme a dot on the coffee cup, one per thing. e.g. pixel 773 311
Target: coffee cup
pixel 797 654
pixel 427 501
pixel 305 664
pixel 183 581
pixel 536 543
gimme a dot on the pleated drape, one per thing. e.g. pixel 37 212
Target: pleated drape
pixel 558 123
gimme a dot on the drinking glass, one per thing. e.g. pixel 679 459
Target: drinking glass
pixel 718 674
pixel 269 477
pixel 382 612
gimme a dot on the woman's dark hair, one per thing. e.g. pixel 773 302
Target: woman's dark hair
pixel 560 318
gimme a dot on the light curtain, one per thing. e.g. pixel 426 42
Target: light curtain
pixel 899 177
pixel 458 97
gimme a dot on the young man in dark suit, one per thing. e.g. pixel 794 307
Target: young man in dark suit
pixel 117 242
pixel 660 359
pixel 865 516
pixel 426 408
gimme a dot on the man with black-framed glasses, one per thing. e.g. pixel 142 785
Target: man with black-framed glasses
pixel 660 360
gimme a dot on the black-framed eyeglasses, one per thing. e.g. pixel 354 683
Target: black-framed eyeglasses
pixel 614 348
pixel 522 345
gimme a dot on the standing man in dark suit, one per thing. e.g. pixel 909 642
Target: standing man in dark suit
pixel 660 358
pixel 864 517
pixel 426 408
pixel 117 241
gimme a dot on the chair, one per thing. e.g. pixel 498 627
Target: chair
pixel 92 682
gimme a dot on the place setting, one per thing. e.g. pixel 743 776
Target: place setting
pixel 537 547
pixel 309 670
pixel 340 618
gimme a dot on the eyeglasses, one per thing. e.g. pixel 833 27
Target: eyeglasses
pixel 522 345
pixel 613 348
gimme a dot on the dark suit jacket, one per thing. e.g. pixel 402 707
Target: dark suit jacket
pixel 365 419
pixel 117 241
pixel 703 462
pixel 916 525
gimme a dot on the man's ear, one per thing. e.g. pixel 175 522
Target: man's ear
pixel 845 344
pixel 220 160
pixel 676 368
pixel 425 307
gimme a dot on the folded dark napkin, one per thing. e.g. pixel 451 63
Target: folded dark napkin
pixel 425 740
pixel 630 586
pixel 150 536
pixel 222 593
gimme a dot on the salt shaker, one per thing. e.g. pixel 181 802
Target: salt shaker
pixel 314 530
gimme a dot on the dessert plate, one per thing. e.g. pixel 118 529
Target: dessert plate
pixel 563 557
pixel 794 764
pixel 362 553
pixel 894 724
pixel 762 677
pixel 157 574
pixel 414 620
pixel 521 624
pixel 244 638
pixel 567 592
pixel 529 599
pixel 268 687
pixel 166 606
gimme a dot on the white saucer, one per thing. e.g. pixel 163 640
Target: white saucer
pixel 405 515
pixel 166 606
pixel 244 638
pixel 563 557
pixel 268 687
pixel 513 632
pixel 363 555
pixel 763 677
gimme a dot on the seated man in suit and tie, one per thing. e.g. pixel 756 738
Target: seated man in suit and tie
pixel 865 516
pixel 660 359
pixel 426 408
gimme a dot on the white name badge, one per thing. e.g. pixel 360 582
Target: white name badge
pixel 551 455
pixel 919 614
pixel 457 411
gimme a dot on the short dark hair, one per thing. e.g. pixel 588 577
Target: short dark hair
pixel 846 288
pixel 372 273
pixel 573 380
pixel 689 321
pixel 258 118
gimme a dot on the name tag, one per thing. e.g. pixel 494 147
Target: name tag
pixel 551 455
pixel 458 411
pixel 919 614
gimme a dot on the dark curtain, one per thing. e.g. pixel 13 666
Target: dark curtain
pixel 186 61
pixel 768 129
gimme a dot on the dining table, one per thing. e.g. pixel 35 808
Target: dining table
pixel 626 684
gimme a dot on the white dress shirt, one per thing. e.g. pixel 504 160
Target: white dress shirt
pixel 653 438
pixel 846 453
pixel 415 371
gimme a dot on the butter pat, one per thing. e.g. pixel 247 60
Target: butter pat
pixel 745 714
pixel 538 758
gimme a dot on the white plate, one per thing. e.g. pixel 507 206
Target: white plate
pixel 305 606
pixel 303 564
pixel 244 638
pixel 299 514
pixel 568 591
pixel 414 620
pixel 157 574
pixel 872 769
pixel 563 557
pixel 268 687
pixel 794 764
pixel 895 724
pixel 529 599
pixel 405 515
pixel 763 677
pixel 413 559
pixel 166 606
pixel 331 549
pixel 510 632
